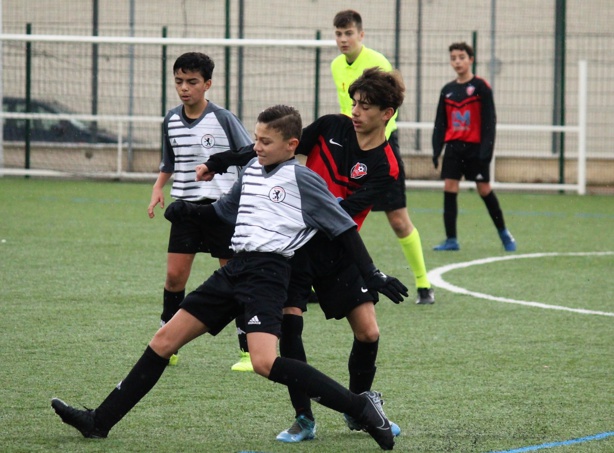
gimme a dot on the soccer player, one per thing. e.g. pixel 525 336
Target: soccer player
pixel 193 131
pixel 359 167
pixel 347 67
pixel 277 206
pixel 465 122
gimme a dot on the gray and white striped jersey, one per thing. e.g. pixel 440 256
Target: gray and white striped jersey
pixel 279 211
pixel 187 144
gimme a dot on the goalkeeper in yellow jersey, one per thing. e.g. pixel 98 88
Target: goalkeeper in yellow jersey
pixel 345 68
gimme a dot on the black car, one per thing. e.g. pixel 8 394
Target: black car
pixel 49 130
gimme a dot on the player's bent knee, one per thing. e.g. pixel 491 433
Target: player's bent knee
pixel 370 335
pixel 162 345
pixel 261 367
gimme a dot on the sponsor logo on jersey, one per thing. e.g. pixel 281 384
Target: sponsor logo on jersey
pixel 461 120
pixel 207 140
pixel 358 171
pixel 277 194
pixel 470 90
pixel 363 289
pixel 332 142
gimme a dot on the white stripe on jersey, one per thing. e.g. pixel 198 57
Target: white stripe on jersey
pixel 270 216
pixel 193 146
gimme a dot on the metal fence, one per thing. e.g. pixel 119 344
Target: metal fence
pixel 121 79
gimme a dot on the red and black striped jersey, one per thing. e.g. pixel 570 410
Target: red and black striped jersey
pixel 466 113
pixel 355 176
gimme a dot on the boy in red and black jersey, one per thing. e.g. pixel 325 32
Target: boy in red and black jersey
pixel 358 177
pixel 465 123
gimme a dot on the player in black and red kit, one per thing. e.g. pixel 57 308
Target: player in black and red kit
pixel 466 121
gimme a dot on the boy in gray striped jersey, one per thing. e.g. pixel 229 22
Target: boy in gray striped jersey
pixel 277 206
pixel 194 131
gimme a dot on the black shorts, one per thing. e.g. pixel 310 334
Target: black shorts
pixel 189 237
pixel 395 197
pixel 336 280
pixel 255 284
pixel 463 159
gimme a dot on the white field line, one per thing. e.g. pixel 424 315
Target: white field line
pixel 436 279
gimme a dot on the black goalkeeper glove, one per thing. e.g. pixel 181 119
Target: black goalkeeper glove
pixel 391 287
pixel 436 162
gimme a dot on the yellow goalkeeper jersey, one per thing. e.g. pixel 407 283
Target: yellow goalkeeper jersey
pixel 344 74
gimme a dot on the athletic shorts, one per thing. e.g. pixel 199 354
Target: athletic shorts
pixel 335 278
pixel 462 159
pixel 255 284
pixel 190 237
pixel 395 197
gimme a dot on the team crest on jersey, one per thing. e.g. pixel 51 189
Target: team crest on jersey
pixel 277 194
pixel 207 140
pixel 358 171
pixel 470 90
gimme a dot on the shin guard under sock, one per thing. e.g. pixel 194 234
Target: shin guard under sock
pixel 494 210
pixel 141 379
pixel 291 346
pixel 361 365
pixel 450 213
pixel 170 304
pixel 412 250
pixel 316 385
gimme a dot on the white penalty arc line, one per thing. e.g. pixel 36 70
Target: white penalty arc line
pixel 435 276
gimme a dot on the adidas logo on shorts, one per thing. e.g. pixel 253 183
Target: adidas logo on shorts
pixel 253 321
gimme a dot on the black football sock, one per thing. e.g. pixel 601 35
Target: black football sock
pixel 361 365
pixel 291 346
pixel 494 209
pixel 241 335
pixel 317 385
pixel 170 304
pixel 140 380
pixel 450 213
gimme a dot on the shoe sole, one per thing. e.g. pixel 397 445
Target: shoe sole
pixel 291 440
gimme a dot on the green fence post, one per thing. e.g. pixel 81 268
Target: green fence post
pixel 474 44
pixel 227 59
pixel 28 93
pixel 316 97
pixel 163 93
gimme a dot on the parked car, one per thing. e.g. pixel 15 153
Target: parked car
pixel 49 130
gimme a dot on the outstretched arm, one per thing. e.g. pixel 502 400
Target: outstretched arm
pixel 219 162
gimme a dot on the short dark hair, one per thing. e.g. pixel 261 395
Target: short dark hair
pixel 378 87
pixel 284 119
pixel 345 19
pixel 195 61
pixel 462 46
